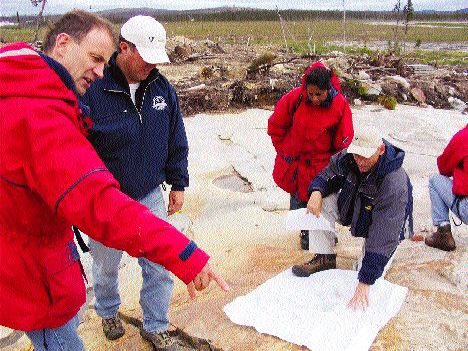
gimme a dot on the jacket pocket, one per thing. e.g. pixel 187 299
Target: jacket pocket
pixel 364 220
pixel 285 173
pixel 65 283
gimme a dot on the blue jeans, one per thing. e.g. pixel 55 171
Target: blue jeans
pixel 442 200
pixel 63 338
pixel 156 292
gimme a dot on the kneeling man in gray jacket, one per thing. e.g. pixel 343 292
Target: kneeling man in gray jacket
pixel 366 188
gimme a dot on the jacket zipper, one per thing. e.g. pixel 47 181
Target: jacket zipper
pixel 144 93
pixel 123 92
pixel 142 100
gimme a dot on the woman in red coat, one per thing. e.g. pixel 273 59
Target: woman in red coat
pixel 309 124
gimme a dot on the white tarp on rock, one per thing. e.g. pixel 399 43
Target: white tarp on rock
pixel 312 311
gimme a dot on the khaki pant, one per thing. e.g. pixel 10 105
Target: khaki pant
pixel 323 241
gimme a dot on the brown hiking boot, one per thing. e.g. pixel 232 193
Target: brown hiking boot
pixel 441 239
pixel 318 263
pixel 113 328
pixel 161 341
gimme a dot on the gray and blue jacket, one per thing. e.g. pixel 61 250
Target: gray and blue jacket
pixel 377 205
pixel 142 144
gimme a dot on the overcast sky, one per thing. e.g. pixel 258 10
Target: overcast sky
pixel 8 7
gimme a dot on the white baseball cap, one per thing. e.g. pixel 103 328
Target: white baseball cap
pixel 149 37
pixel 365 142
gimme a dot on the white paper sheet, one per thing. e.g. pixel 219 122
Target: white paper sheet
pixel 301 220
pixel 312 311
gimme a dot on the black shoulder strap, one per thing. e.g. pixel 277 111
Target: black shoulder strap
pixel 80 240
pixel 298 102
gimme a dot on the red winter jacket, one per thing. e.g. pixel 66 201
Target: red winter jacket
pixel 454 162
pixel 316 134
pixel 50 178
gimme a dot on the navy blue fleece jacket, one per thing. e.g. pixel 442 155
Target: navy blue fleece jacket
pixel 144 143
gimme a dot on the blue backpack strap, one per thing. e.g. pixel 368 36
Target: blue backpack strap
pixel 407 231
pixel 455 207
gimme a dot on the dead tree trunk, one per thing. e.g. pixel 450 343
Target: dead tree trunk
pixel 39 16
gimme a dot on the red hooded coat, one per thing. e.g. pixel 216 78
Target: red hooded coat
pixel 314 134
pixel 51 178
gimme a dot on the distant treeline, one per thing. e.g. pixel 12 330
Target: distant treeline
pixel 239 14
pixel 294 15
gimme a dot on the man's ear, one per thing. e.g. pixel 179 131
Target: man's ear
pixel 124 46
pixel 62 43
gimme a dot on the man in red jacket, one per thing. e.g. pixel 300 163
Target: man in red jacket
pixel 51 178
pixel 449 190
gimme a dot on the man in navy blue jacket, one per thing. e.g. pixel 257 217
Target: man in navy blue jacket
pixel 366 188
pixel 139 134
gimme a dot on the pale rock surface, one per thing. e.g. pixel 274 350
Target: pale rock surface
pixel 372 89
pixel 418 94
pixel 363 75
pixel 400 80
pixel 457 104
pixel 245 236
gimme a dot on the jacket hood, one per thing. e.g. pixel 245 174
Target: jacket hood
pixel 19 62
pixel 26 73
pixel 334 79
pixel 336 87
pixel 390 161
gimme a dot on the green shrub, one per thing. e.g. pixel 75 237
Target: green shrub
pixel 389 102
pixel 357 87
pixel 362 90
pixel 263 60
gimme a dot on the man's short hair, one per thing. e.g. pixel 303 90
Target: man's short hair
pixel 76 24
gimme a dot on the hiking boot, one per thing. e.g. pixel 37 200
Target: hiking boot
pixel 304 236
pixel 161 341
pixel 441 239
pixel 318 263
pixel 113 328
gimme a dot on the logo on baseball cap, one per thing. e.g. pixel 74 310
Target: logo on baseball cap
pixel 149 37
pixel 365 142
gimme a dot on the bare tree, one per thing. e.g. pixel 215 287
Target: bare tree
pixel 282 27
pixel 396 37
pixel 344 25
pixel 39 18
pixel 408 12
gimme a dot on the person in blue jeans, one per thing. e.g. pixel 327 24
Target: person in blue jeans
pixel 63 338
pixel 139 133
pixel 449 191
